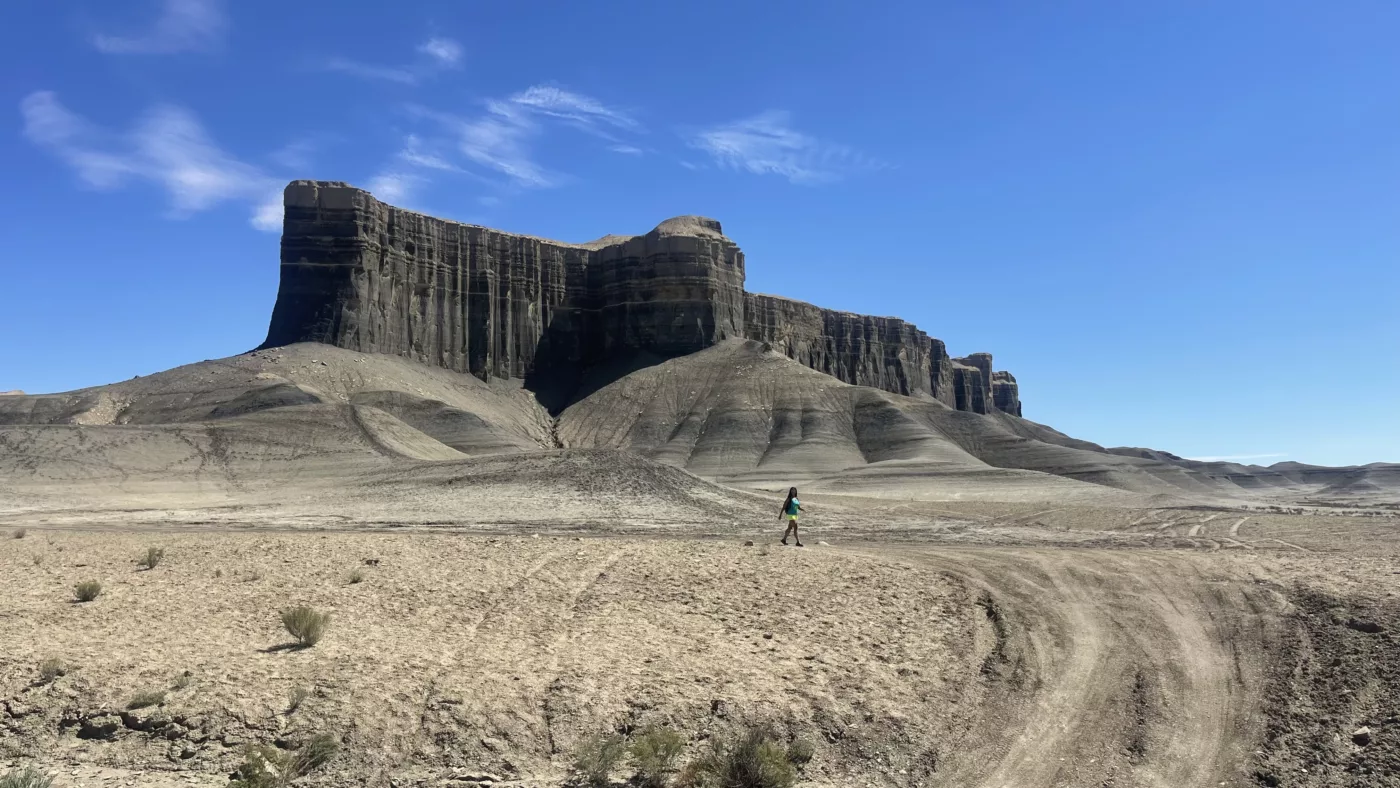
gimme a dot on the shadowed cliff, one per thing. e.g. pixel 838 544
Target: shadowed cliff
pixel 567 318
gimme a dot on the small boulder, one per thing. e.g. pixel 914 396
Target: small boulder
pixel 749 543
pixel 1361 736
pixel 102 726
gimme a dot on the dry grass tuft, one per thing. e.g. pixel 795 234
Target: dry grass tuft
pixel 19 533
pixel 53 668
pixel 356 576
pixel 296 697
pixel 142 700
pixel 28 777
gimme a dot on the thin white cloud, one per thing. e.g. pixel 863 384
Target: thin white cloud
pixel 767 144
pixel 443 50
pixel 1236 457
pixel 366 71
pixel 393 187
pixel 167 147
pixel 626 150
pixel 437 54
pixel 501 140
pixel 565 105
pixel 183 26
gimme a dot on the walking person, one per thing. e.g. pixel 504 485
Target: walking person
pixel 790 509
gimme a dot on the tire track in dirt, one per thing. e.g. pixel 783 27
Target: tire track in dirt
pixel 1137 671
pixel 1235 527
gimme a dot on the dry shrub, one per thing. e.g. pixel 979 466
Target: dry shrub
pixel 597 759
pixel 356 577
pixel 51 669
pixel 265 766
pixel 753 759
pixel 146 699
pixel 152 558
pixel 305 624
pixel 87 590
pixel 654 753
pixel 28 777
pixel 296 697
pixel 19 533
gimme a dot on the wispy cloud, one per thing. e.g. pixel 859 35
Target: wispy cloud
pixel 1237 457
pixel 501 140
pixel 168 147
pixel 436 54
pixel 767 144
pixel 581 111
pixel 394 187
pixel 183 26
pixel 443 50
pixel 626 150
pixel 367 71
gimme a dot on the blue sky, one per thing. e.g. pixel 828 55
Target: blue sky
pixel 1177 222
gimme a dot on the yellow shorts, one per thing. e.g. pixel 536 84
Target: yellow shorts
pixel 792 518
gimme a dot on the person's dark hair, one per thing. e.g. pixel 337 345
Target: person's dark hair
pixel 792 493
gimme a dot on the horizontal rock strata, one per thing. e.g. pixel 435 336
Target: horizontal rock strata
pixel 370 277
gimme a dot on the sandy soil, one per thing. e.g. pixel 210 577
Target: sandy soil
pixel 992 649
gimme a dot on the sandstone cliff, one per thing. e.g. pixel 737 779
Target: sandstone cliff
pixel 367 276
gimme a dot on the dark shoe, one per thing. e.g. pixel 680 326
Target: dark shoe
pixel 799 544
pixel 784 541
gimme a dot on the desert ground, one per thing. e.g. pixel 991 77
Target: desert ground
pixel 979 602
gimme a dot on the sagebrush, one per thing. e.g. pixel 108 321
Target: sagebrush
pixel 306 624
pixel 752 759
pixel 265 766
pixel 52 669
pixel 597 759
pixel 152 558
pixel 654 753
pixel 87 590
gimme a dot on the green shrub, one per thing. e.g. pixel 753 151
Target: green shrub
pixel 801 752
pixel 142 700
pixel 753 759
pixel 268 767
pixel 52 668
pixel 315 753
pixel 597 759
pixel 87 590
pixel 305 624
pixel 654 752
pixel 28 777
pixel 263 766
pixel 152 558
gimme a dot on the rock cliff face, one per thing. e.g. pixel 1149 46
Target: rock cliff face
pixel 367 276
pixel 1006 395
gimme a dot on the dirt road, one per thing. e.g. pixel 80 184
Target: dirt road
pixel 1112 668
